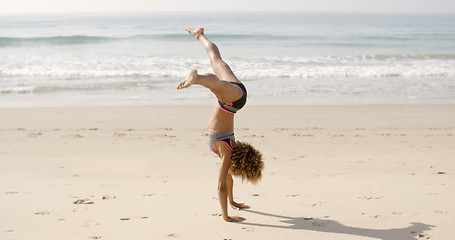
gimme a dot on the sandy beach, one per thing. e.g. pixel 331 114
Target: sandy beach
pixel 331 172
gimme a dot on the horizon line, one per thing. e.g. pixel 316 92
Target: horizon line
pixel 223 11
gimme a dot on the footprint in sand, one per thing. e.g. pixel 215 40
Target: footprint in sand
pixel 293 195
pixel 317 224
pixel 167 136
pixel 108 197
pixel 42 213
pixel 422 235
pixel 84 201
pixel 90 224
pixel 441 212
pixel 149 195
pixel 248 229
pixel 127 219
pixel 302 135
pixel 380 217
pixel 74 136
pixel 11 192
pixel 173 235
pixel 35 134
pixel 318 204
pixel 369 197
pixel 297 158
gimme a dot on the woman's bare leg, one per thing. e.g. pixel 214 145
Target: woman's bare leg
pixel 221 69
pixel 223 90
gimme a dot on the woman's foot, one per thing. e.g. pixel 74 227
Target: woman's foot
pixel 189 80
pixel 196 32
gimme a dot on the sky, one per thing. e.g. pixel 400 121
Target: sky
pixel 65 6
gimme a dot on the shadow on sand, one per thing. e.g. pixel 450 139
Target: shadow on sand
pixel 413 232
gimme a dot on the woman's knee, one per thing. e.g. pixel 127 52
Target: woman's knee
pixel 219 66
pixel 216 61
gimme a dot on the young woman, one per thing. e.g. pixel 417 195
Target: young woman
pixel 238 158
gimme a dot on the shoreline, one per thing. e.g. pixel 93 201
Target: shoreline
pixel 145 172
pixel 267 91
pixel 249 105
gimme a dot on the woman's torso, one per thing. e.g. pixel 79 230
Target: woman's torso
pixel 220 121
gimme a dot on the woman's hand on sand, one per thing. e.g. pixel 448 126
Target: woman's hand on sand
pixel 239 206
pixel 235 219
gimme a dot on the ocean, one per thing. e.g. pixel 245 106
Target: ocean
pixel 283 58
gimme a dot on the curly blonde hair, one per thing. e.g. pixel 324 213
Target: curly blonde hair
pixel 246 162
